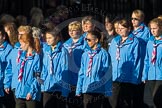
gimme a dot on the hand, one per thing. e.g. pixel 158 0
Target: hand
pixel 28 97
pixel 78 95
pixel 144 82
pixel 7 90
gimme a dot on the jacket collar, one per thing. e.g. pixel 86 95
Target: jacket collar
pixel 70 41
pixel 129 40
pixel 92 51
pixel 57 49
pixel 152 38
pixel 3 46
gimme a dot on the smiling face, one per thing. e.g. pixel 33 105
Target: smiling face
pixel 75 34
pixel 50 39
pixel 88 26
pixel 92 41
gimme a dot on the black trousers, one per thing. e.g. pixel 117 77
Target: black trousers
pixel 92 100
pixel 3 102
pixel 23 103
pixel 53 100
pixel 127 95
pixel 74 101
pixel 106 103
pixel 7 101
pixel 155 87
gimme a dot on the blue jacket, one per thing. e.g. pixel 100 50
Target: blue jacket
pixel 75 58
pixel 58 78
pixel 153 71
pixel 126 69
pixel 143 33
pixel 99 80
pixel 4 52
pixel 29 83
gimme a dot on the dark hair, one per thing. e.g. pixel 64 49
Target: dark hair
pixel 55 32
pixel 96 34
pixel 4 34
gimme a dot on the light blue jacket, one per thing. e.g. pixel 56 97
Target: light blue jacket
pixel 142 33
pixel 59 79
pixel 127 68
pixel 153 71
pixel 99 80
pixel 29 83
pixel 4 52
pixel 75 58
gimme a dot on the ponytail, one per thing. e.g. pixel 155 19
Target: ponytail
pixel 37 45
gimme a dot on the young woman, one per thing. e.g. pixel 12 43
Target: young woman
pixel 5 49
pixel 55 71
pixel 152 73
pixel 11 30
pixel 23 71
pixel 125 59
pixel 75 46
pixel 94 81
pixel 142 32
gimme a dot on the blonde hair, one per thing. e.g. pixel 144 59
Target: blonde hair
pixel 139 14
pixel 75 25
pixel 25 29
pixel 160 17
pixel 156 21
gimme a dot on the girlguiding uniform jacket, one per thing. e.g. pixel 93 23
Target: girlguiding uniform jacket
pixel 5 49
pixel 143 33
pixel 75 53
pixel 94 79
pixel 125 60
pixel 27 82
pixel 152 64
pixel 55 70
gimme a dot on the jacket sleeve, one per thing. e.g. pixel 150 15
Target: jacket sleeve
pixel 35 86
pixel 8 73
pixel 137 62
pixel 65 75
pixel 146 66
pixel 108 75
pixel 80 78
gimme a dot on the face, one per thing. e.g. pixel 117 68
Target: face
pixel 24 46
pixel 50 39
pixel 123 31
pixel 108 25
pixel 21 33
pixel 7 31
pixel 75 34
pixel 88 26
pixel 155 29
pixel 91 40
pixel 2 38
pixel 116 27
pixel 135 20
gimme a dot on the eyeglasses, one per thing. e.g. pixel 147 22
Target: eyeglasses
pixel 89 40
pixel 135 19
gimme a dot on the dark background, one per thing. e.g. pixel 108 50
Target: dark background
pixel 121 8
